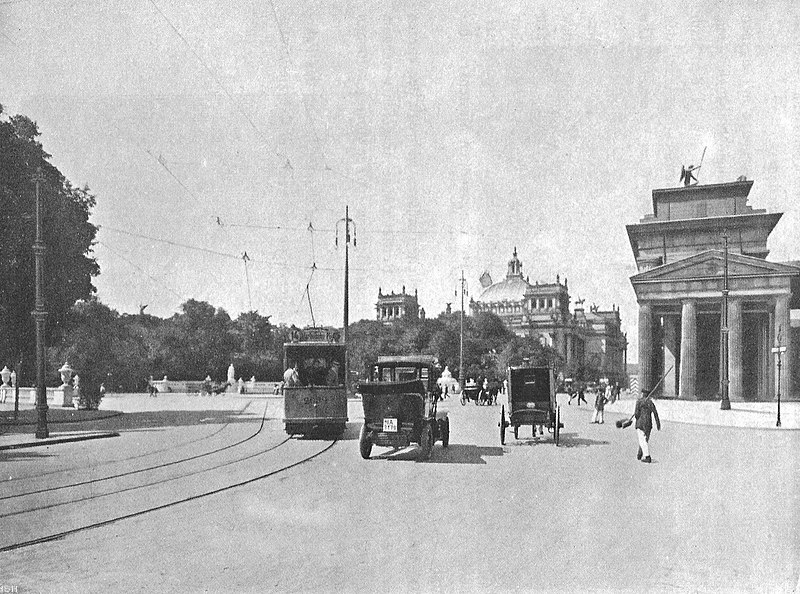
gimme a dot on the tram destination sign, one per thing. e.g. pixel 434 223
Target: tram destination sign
pixel 315 335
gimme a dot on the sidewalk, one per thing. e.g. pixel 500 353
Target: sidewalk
pixel 755 415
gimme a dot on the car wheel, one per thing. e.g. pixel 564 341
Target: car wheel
pixel 516 431
pixel 426 441
pixel 503 425
pixel 445 431
pixel 364 443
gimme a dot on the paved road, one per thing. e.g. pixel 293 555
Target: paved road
pixel 717 510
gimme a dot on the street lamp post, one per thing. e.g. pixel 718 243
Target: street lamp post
pixel 461 334
pixel 778 351
pixel 725 404
pixel 40 315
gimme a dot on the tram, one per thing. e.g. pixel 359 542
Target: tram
pixel 318 403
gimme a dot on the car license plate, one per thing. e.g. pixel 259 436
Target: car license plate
pixel 390 425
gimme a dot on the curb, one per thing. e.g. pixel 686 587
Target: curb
pixel 56 440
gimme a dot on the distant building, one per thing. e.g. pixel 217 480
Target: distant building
pixel 395 306
pixel 679 251
pixel 541 311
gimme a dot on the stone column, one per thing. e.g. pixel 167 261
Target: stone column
pixel 783 329
pixel 735 372
pixel 670 359
pixel 688 374
pixel 645 345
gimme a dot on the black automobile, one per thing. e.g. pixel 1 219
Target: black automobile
pixel 403 405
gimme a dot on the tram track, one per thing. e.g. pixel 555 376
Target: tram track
pixel 138 456
pixel 138 486
pixel 135 457
pixel 121 517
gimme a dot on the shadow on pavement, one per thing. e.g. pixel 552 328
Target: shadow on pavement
pixel 154 420
pixel 21 455
pixel 458 453
pixel 320 433
pixel 571 440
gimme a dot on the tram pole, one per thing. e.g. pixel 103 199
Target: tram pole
pixel 346 322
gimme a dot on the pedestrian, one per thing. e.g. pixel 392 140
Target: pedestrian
pixel 581 395
pixel 599 406
pixel 571 393
pixel 643 413
pixel 207 386
pixel 151 389
pixel 609 393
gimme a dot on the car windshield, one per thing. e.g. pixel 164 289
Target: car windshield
pixel 402 374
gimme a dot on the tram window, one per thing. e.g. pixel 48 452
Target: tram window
pixel 405 374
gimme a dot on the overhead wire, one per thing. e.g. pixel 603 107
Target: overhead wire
pixel 156 281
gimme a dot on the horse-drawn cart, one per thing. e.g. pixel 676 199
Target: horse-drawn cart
pixel 531 401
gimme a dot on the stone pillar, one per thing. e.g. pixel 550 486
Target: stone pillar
pixel 783 329
pixel 669 388
pixel 645 345
pixel 735 372
pixel 688 373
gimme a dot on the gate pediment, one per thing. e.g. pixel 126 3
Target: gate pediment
pixel 711 264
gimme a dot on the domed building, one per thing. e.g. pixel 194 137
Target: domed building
pixel 541 311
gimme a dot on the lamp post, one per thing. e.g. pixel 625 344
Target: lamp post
pixel 778 351
pixel 348 223
pixel 725 404
pixel 463 281
pixel 40 315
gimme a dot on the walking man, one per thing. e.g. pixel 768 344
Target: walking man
pixel 581 395
pixel 599 407
pixel 645 410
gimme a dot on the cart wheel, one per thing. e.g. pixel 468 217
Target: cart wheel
pixel 503 425
pixel 445 431
pixel 364 443
pixel 426 441
pixel 516 431
pixel 557 427
pixel 463 399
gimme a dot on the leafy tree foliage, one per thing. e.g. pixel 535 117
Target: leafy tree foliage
pixel 69 265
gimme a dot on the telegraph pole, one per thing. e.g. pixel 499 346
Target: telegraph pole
pixel 40 315
pixel 348 222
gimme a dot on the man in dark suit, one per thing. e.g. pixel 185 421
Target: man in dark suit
pixel 644 412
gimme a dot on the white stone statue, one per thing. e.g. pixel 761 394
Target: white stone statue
pixel 5 375
pixel 231 375
pixel 76 387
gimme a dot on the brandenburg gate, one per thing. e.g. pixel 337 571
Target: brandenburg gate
pixel 680 258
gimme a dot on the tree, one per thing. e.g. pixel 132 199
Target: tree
pixel 100 348
pixel 199 342
pixel 68 236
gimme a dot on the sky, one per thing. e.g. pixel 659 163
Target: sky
pixel 454 132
